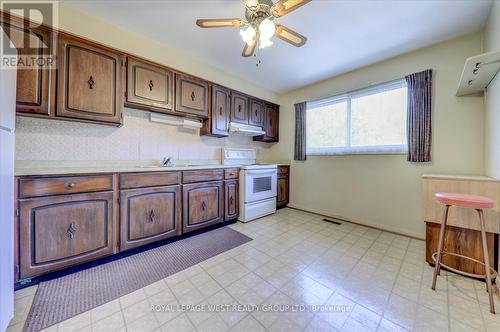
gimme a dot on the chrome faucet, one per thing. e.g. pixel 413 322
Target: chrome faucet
pixel 166 162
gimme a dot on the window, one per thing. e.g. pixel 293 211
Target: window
pixel 371 120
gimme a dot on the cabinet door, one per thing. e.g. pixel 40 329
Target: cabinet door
pixel 149 215
pixel 202 205
pixel 256 116
pixel 60 231
pixel 32 95
pixel 282 198
pixel 230 200
pixel 89 82
pixel 191 95
pixel 220 110
pixel 149 87
pixel 239 108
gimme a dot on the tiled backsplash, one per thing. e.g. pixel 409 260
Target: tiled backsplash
pixel 137 139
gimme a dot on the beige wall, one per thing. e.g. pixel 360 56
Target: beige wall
pixel 492 98
pixel 138 139
pixel 385 190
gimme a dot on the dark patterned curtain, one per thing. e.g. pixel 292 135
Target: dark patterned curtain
pixel 300 131
pixel 419 126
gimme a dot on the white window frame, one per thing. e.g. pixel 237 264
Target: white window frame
pixel 352 150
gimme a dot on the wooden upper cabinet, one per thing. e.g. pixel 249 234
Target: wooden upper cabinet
pixel 149 87
pixel 271 125
pixel 191 95
pixel 218 123
pixel 256 116
pixel 32 83
pixel 89 82
pixel 239 107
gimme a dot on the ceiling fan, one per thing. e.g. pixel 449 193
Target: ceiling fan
pixel 260 26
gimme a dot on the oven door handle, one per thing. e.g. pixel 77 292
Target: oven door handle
pixel 261 171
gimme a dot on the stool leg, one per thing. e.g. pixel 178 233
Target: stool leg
pixel 437 267
pixel 486 262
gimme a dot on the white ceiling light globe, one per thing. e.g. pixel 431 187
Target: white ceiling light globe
pixel 248 35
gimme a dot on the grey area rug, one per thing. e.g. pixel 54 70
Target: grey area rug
pixel 62 298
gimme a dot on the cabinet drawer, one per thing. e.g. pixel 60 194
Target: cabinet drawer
pixel 149 215
pixel 138 180
pixel 283 170
pixel 36 187
pixel 202 205
pixel 191 95
pixel 202 175
pixel 57 232
pixel 231 173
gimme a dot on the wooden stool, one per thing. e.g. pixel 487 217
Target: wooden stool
pixel 471 202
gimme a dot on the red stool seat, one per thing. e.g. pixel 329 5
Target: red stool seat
pixel 463 200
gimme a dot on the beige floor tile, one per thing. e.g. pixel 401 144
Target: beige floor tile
pixel 111 323
pixel 179 324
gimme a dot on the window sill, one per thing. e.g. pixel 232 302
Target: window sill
pixel 366 150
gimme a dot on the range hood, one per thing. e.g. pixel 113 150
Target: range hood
pixel 244 129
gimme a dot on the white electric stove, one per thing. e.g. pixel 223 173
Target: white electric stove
pixel 257 183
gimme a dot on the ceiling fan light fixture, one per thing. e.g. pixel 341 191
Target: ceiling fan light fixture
pixel 265 43
pixel 247 34
pixel 267 30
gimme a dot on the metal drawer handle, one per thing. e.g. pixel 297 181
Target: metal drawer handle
pixel 151 85
pixel 152 216
pixel 91 82
pixel 71 231
pixel 193 96
pixel 203 205
pixel 220 110
pixel 231 200
pixel 71 185
pixel 239 108
pixel 256 112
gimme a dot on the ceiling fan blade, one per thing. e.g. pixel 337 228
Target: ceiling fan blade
pixel 283 7
pixel 250 48
pixel 290 36
pixel 219 23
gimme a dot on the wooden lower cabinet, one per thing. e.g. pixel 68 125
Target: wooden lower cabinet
pixel 60 231
pixel 202 205
pixel 231 207
pixel 148 215
pixel 283 187
pixel 462 241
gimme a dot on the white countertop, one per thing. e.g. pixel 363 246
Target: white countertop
pixel 459 177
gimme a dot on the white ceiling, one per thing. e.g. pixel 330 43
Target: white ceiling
pixel 342 35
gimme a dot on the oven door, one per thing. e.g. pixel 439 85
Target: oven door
pixel 260 184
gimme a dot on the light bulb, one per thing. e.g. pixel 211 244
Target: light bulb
pixel 265 43
pixel 266 29
pixel 247 35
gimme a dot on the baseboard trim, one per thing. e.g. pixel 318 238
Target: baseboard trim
pixel 357 222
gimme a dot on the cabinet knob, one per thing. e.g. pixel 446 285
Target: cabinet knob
pixel 91 82
pixel 203 205
pixel 71 185
pixel 220 110
pixel 152 216
pixel 256 113
pixel 193 96
pixel 71 231
pixel 239 108
pixel 151 85
pixel 231 200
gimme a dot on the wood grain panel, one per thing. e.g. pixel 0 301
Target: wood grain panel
pixel 60 231
pixel 138 180
pixel 202 205
pixel 217 124
pixel 231 207
pixel 149 215
pixel 239 107
pixel 461 241
pixel 458 216
pixel 149 87
pixel 231 173
pixel 191 95
pixel 256 113
pixel 46 186
pixel 202 175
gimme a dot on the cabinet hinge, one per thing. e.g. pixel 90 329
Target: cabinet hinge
pixel 17 212
pixel 119 200
pixel 25 281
